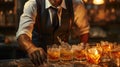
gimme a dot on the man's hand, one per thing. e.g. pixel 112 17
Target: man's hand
pixel 37 55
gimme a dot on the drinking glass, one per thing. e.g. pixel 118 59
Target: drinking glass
pixel 78 53
pixel 53 53
pixel 93 55
pixel 107 48
pixel 115 53
pixel 66 53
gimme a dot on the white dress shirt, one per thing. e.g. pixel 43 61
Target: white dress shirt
pixel 27 19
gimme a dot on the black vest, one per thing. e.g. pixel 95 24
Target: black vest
pixel 43 31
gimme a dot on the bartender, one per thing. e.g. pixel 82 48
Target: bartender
pixel 43 20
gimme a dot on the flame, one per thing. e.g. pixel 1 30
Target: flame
pixel 96 52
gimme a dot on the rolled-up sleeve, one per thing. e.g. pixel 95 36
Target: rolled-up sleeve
pixel 81 19
pixel 27 19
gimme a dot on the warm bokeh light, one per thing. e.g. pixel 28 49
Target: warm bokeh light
pixel 111 0
pixel 85 1
pixel 98 2
pixel 113 10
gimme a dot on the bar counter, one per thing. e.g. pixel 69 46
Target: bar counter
pixel 24 62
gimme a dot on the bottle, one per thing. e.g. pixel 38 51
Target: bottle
pixel 2 18
pixel 10 18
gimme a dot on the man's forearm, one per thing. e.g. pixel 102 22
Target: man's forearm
pixel 25 42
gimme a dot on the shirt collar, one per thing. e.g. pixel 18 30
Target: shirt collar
pixel 48 4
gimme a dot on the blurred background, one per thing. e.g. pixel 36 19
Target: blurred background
pixel 103 16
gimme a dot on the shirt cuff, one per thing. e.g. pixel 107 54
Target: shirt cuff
pixel 84 31
pixel 23 32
